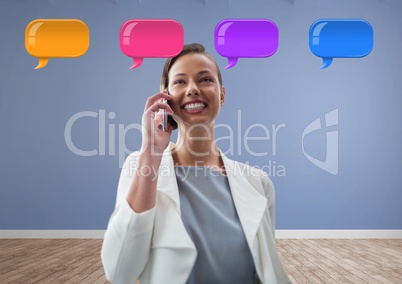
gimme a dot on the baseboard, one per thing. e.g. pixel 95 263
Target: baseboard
pixel 280 234
pixel 338 234
pixel 52 234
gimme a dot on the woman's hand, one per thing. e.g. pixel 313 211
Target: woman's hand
pixel 155 139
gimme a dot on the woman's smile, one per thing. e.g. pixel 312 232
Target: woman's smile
pixel 194 107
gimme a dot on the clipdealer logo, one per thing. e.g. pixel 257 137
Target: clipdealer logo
pixel 116 137
pixel 112 137
pixel 330 164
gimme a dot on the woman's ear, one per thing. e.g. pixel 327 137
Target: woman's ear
pixel 223 94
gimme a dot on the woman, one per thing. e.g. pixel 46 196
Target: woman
pixel 185 213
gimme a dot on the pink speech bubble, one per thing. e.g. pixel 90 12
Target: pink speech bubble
pixel 154 38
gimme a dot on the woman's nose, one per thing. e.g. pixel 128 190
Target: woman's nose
pixel 193 89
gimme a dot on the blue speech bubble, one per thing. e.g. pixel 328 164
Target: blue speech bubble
pixel 340 38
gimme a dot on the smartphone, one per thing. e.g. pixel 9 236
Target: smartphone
pixel 167 118
pixel 164 117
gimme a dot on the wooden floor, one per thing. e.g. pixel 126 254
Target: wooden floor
pixel 306 260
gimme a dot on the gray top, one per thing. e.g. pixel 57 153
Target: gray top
pixel 211 220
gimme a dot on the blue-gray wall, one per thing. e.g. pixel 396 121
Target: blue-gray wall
pixel 44 185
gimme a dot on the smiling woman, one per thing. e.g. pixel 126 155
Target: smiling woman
pixel 194 218
pixel 196 74
pixel 211 76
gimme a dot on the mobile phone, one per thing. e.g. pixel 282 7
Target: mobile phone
pixel 164 117
pixel 167 118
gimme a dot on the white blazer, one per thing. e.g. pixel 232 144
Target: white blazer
pixel 154 246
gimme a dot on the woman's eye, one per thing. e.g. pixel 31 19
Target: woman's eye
pixel 206 79
pixel 178 82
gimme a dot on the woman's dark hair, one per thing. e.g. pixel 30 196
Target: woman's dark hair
pixel 187 49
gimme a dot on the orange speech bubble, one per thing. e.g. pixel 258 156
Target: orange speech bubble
pixel 56 38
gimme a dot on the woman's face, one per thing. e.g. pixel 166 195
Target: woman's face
pixel 196 92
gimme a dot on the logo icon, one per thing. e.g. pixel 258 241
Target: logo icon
pixel 330 164
pixel 248 38
pixel 52 38
pixel 340 38
pixel 153 38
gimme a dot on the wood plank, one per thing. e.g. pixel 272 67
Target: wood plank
pixel 340 261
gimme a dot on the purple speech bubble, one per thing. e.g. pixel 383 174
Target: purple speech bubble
pixel 250 38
